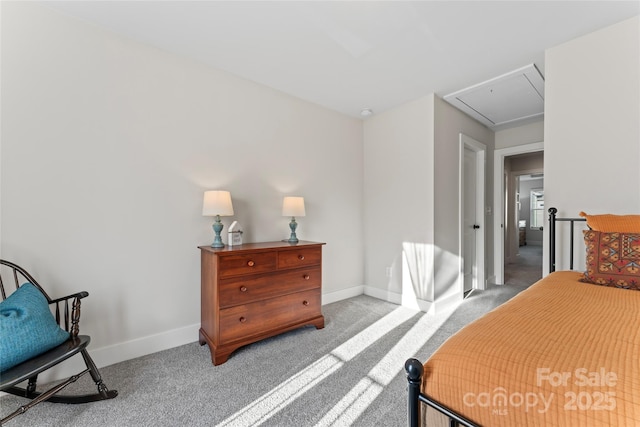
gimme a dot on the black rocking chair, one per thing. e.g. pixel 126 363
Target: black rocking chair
pixel 29 369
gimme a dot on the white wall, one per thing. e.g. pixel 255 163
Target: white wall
pixel 411 197
pixel 520 135
pixel 507 139
pixel 107 147
pixel 398 191
pixel 592 126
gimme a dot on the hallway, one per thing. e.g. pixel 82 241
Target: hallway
pixel 527 269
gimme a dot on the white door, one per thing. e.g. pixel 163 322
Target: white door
pixel 470 224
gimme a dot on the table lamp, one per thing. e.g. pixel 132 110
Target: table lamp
pixel 217 203
pixel 293 207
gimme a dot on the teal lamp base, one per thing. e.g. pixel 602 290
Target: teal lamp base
pixel 293 225
pixel 217 228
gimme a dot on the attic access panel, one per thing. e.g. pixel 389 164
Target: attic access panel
pixel 506 99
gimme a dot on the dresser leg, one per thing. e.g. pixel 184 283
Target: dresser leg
pixel 319 323
pixel 218 357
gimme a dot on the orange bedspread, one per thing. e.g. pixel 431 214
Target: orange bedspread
pixel 561 353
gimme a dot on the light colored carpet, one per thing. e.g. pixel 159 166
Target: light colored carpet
pixel 349 373
pixel 526 268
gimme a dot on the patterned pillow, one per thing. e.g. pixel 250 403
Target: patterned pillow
pixel 613 259
pixel 27 327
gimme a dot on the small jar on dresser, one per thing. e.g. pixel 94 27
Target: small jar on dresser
pixel 257 290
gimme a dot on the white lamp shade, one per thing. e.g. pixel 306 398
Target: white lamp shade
pixel 217 203
pixel 293 206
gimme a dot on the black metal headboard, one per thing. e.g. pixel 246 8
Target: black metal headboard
pixel 552 237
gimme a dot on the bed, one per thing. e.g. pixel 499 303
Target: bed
pixel 564 352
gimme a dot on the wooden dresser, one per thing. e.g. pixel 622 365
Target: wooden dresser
pixel 257 290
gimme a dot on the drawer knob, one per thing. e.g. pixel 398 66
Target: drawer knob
pixel 251 263
pixel 306 277
pixel 301 257
pixel 243 289
pixel 242 319
pixel 305 302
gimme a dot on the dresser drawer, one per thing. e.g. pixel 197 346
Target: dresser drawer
pixel 299 257
pixel 236 291
pixel 251 319
pixel 236 265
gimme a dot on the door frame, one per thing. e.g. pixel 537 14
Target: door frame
pixel 498 203
pixel 480 149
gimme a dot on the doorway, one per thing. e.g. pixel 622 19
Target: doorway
pixel 505 226
pixel 523 265
pixel 472 201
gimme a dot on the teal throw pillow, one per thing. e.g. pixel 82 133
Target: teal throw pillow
pixel 27 327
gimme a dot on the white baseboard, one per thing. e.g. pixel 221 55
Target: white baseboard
pixel 120 352
pixel 381 294
pixel 336 296
pixel 420 304
pixel 384 295
pixel 448 303
pixel 116 353
pixel 441 305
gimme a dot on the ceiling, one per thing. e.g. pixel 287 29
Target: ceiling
pixel 352 55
